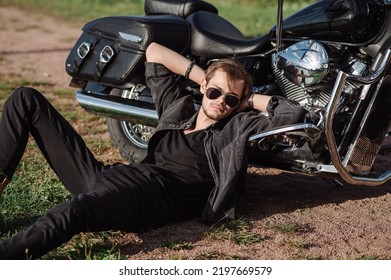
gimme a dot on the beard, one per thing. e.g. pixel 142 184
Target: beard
pixel 213 114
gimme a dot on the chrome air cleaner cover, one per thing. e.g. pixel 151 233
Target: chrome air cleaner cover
pixel 304 63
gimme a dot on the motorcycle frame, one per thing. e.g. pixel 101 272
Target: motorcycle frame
pixel 337 163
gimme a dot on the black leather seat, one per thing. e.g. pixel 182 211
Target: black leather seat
pixel 182 8
pixel 213 36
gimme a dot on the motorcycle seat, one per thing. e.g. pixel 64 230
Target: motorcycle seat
pixel 181 8
pixel 213 36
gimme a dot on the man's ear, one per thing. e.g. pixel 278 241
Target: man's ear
pixel 204 83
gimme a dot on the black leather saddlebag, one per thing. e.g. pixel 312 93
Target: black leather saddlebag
pixel 112 49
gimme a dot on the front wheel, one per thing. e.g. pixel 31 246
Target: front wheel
pixel 131 139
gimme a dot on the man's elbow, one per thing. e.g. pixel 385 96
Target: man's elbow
pixel 152 52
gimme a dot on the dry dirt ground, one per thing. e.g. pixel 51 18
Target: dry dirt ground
pixel 297 216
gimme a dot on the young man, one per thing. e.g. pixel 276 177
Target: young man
pixel 196 162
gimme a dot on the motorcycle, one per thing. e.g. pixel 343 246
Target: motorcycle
pixel 332 57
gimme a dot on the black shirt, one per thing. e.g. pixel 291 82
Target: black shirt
pixel 182 156
pixel 181 163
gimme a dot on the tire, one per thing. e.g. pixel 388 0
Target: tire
pixel 131 139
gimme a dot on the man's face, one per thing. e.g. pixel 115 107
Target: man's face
pixel 217 109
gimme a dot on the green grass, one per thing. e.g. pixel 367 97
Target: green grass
pixel 34 189
pixel 87 246
pixel 291 228
pixel 237 231
pixel 177 245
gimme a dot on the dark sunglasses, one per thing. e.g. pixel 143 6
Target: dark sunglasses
pixel 230 99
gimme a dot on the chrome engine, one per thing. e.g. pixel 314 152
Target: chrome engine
pixel 303 72
pixel 306 72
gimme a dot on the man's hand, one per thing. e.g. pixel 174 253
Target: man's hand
pixel 243 106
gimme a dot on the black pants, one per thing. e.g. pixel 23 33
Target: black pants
pixel 105 197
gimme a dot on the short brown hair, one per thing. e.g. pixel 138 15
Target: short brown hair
pixel 234 70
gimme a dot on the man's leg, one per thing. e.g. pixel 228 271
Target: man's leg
pixel 123 198
pixel 26 111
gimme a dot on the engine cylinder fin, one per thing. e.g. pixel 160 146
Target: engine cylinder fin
pixel 304 96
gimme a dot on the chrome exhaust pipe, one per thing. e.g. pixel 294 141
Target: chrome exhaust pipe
pixel 132 111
